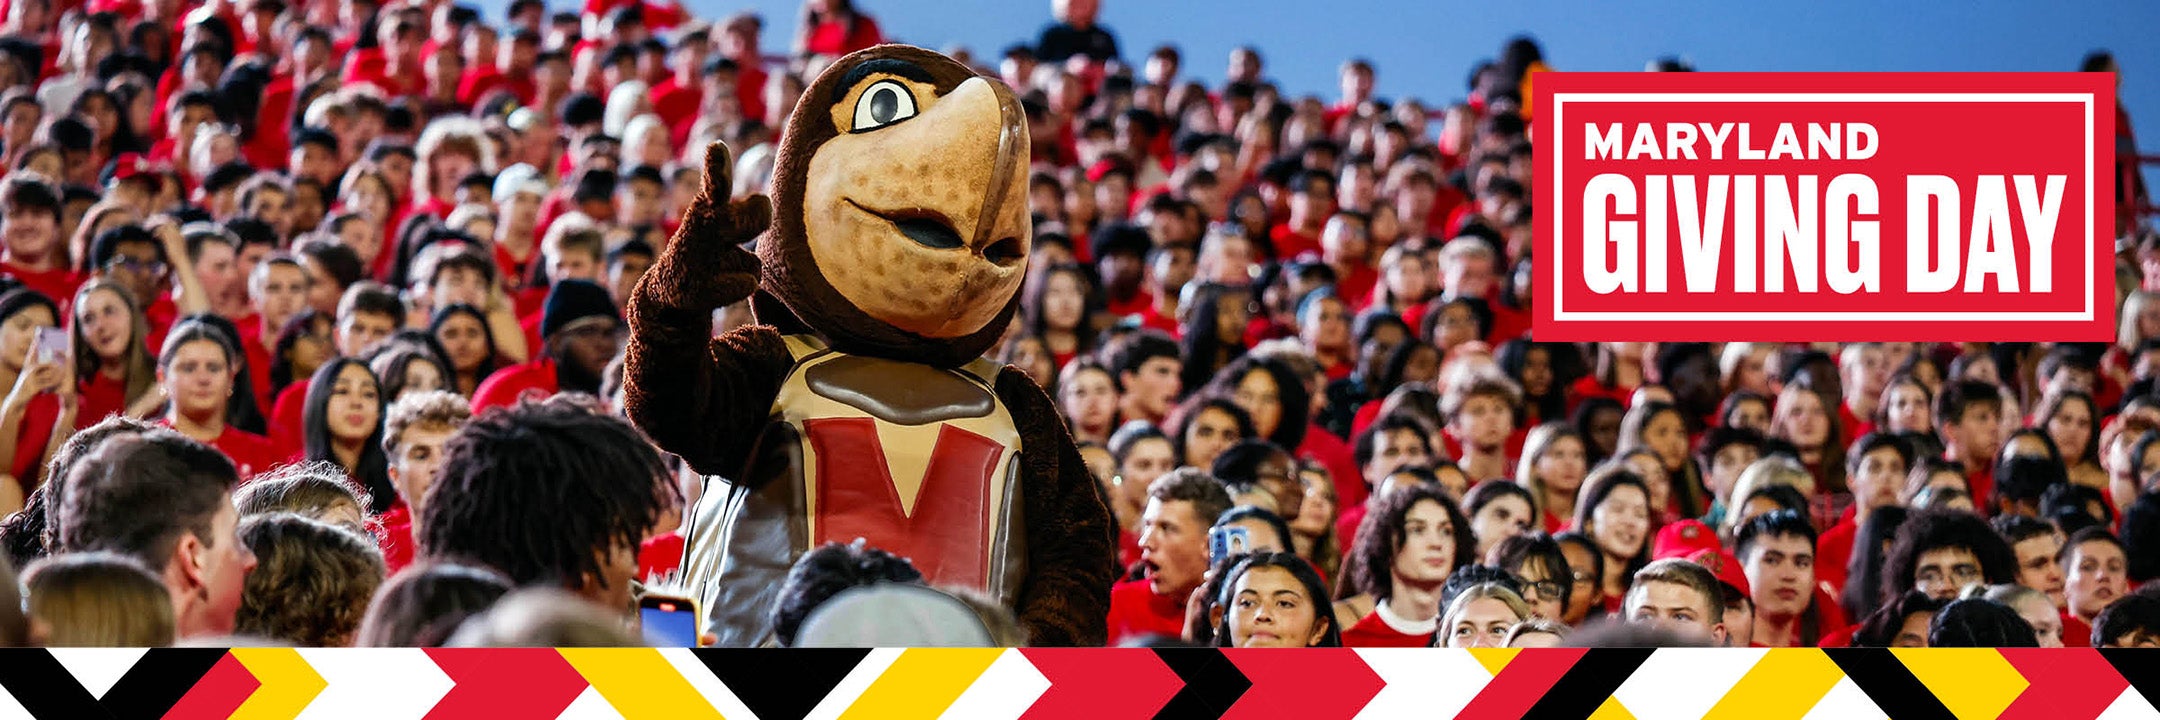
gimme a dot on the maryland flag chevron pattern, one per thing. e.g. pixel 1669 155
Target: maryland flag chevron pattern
pixel 1609 684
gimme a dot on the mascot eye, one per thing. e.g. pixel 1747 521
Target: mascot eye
pixel 885 103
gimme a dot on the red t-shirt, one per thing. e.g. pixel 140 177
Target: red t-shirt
pixel 288 418
pixel 1137 612
pixel 1356 286
pixel 98 397
pixel 676 103
pixel 1373 631
pixel 394 532
pixel 58 283
pixel 1323 447
pixel 660 555
pixel 836 38
pixel 1589 387
pixel 1289 244
pixel 250 453
pixel 1980 483
pixel 1346 523
pixel 1150 318
pixel 32 436
pixel 2075 632
pixel 503 388
pixel 1139 303
pixel 258 358
pixel 1833 550
pixel 161 314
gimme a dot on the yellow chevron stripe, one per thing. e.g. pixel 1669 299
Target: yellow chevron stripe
pixel 288 683
pixel 639 682
pixel 1971 682
pixel 1612 710
pixel 1785 683
pixel 921 683
pixel 1494 659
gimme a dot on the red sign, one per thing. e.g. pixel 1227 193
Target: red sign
pixel 1825 206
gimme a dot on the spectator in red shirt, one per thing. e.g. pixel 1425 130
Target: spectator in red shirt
pixel 342 424
pixel 1968 414
pixel 30 247
pixel 1275 599
pixel 398 73
pixel 415 430
pixel 449 150
pixel 167 502
pixel 1413 539
pixel 196 369
pixel 2094 576
pixel 834 28
pixel 1147 367
pixel 1778 551
pixel 1480 417
pixel 739 42
pixel 582 332
pixel 1173 556
pixel 1679 595
pixel 1312 202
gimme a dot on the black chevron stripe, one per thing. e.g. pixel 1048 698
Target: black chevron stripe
pixel 1587 685
pixel 157 682
pixel 44 687
pixel 780 684
pixel 2139 666
pixel 1212 683
pixel 1886 681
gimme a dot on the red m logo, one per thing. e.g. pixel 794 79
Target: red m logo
pixel 947 537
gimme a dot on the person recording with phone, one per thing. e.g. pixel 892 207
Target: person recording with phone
pixel 39 411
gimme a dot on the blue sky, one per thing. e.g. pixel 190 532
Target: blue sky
pixel 1425 48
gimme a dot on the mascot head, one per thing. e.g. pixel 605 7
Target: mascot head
pixel 900 209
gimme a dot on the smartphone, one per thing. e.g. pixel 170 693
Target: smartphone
pixel 1226 541
pixel 52 344
pixel 669 621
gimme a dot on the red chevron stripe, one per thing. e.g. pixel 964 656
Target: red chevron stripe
pixel 508 683
pixel 2065 683
pixel 1520 684
pixel 1317 684
pixel 218 693
pixel 1100 683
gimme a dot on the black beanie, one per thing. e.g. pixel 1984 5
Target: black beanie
pixel 573 300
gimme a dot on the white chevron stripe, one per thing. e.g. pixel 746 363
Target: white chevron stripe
pixel 589 706
pixel 1684 683
pixel 1423 682
pixel 1846 701
pixel 1005 690
pixel 701 679
pixel 2128 706
pixel 852 686
pixel 371 683
pixel 12 708
pixel 98 669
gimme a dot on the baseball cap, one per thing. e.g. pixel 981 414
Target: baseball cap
pixel 1683 539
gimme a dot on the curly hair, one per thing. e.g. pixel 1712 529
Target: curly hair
pixel 308 488
pixel 423 604
pixel 313 582
pixel 1929 530
pixel 604 486
pixel 1370 567
pixel 827 571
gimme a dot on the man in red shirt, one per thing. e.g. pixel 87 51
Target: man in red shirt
pixel 415 428
pixel 1778 551
pixel 581 332
pixel 739 42
pixel 30 239
pixel 677 98
pixel 1391 443
pixel 1863 370
pixel 1345 246
pixel 2094 575
pixel 1426 539
pixel 1968 415
pixel 1312 200
pixel 511 70
pixel 1173 556
pixel 398 70
pixel 1875 468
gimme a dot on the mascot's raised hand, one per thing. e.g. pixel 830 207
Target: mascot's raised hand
pixel 888 260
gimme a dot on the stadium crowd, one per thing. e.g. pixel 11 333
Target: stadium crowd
pixel 313 325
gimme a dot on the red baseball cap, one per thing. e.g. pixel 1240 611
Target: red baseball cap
pixel 1682 539
pixel 1725 567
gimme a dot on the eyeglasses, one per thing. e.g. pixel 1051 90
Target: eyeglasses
pixel 1543 590
pixel 123 262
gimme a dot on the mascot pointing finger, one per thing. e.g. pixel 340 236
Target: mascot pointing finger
pixel 888 259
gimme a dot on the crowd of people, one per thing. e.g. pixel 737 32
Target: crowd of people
pixel 313 322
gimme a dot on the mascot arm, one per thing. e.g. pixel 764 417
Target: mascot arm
pixel 1071 541
pixel 695 395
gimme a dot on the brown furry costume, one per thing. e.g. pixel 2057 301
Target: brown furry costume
pixel 892 263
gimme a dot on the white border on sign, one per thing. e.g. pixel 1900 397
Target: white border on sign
pixel 1559 248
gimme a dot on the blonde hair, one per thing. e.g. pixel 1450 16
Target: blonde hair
pixel 2126 321
pixel 1768 471
pixel 1536 625
pixel 1729 362
pixel 452 134
pixel 99 599
pixel 1481 591
pixel 1538 442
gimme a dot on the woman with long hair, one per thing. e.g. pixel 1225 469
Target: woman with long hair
pixel 344 425
pixel 1661 428
pixel 2072 421
pixel 1545 371
pixel 1087 395
pixel 198 368
pixel 1554 461
pixel 302 346
pixel 407 369
pixel 1907 405
pixel 113 367
pixel 1061 310
pixel 468 346
pixel 1809 421
pixel 39 411
pixel 1212 330
pixel 1271 394
pixel 1615 512
pixel 1204 426
pixel 1275 600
